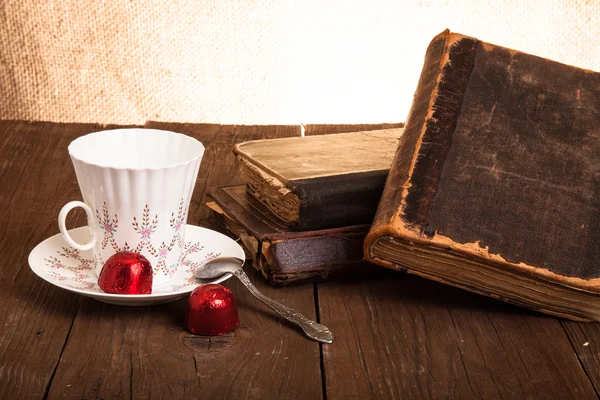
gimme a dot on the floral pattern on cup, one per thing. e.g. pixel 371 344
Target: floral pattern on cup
pixel 145 227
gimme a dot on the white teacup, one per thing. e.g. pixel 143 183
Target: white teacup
pixel 136 186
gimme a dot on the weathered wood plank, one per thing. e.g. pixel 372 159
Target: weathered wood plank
pixel 36 180
pixel 585 339
pixel 405 337
pixel 146 352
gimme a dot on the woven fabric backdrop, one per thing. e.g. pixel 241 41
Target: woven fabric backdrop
pixel 255 61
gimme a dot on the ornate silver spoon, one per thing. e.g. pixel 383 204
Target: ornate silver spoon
pixel 217 267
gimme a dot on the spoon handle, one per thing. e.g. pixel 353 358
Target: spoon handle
pixel 312 329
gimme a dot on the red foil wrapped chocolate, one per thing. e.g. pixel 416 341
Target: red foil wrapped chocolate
pixel 126 273
pixel 212 311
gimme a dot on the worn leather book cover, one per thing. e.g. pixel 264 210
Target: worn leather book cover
pixel 322 181
pixel 495 185
pixel 285 256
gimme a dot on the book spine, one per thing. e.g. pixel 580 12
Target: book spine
pixel 287 260
pixel 340 200
pixel 333 271
pixel 418 164
pixel 439 126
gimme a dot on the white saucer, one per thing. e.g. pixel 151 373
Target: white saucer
pixel 59 264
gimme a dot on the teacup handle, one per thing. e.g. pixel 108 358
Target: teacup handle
pixel 62 216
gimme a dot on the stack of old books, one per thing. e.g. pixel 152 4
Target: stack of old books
pixel 308 202
pixel 494 186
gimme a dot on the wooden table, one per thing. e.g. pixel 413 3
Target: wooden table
pixel 396 336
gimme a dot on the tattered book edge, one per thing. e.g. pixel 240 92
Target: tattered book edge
pixel 391 265
pixel 471 250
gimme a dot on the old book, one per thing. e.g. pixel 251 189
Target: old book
pixel 495 186
pixel 322 181
pixel 285 256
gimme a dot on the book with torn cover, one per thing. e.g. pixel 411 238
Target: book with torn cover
pixel 281 255
pixel 322 181
pixel 495 185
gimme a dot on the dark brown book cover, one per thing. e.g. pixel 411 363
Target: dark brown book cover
pixel 495 185
pixel 285 256
pixel 322 181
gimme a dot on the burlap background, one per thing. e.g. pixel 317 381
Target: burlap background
pixel 254 62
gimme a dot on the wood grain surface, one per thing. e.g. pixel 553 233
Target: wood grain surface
pixel 585 339
pixel 405 337
pixel 395 336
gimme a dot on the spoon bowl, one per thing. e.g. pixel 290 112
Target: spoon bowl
pixel 217 267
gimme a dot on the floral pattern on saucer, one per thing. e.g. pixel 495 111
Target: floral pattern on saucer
pixel 77 272
pixel 73 270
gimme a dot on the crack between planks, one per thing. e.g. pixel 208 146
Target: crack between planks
pixel 131 375
pixel 197 374
pixel 321 355
pixel 487 366
pixel 462 360
pixel 49 384
pixel 581 365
